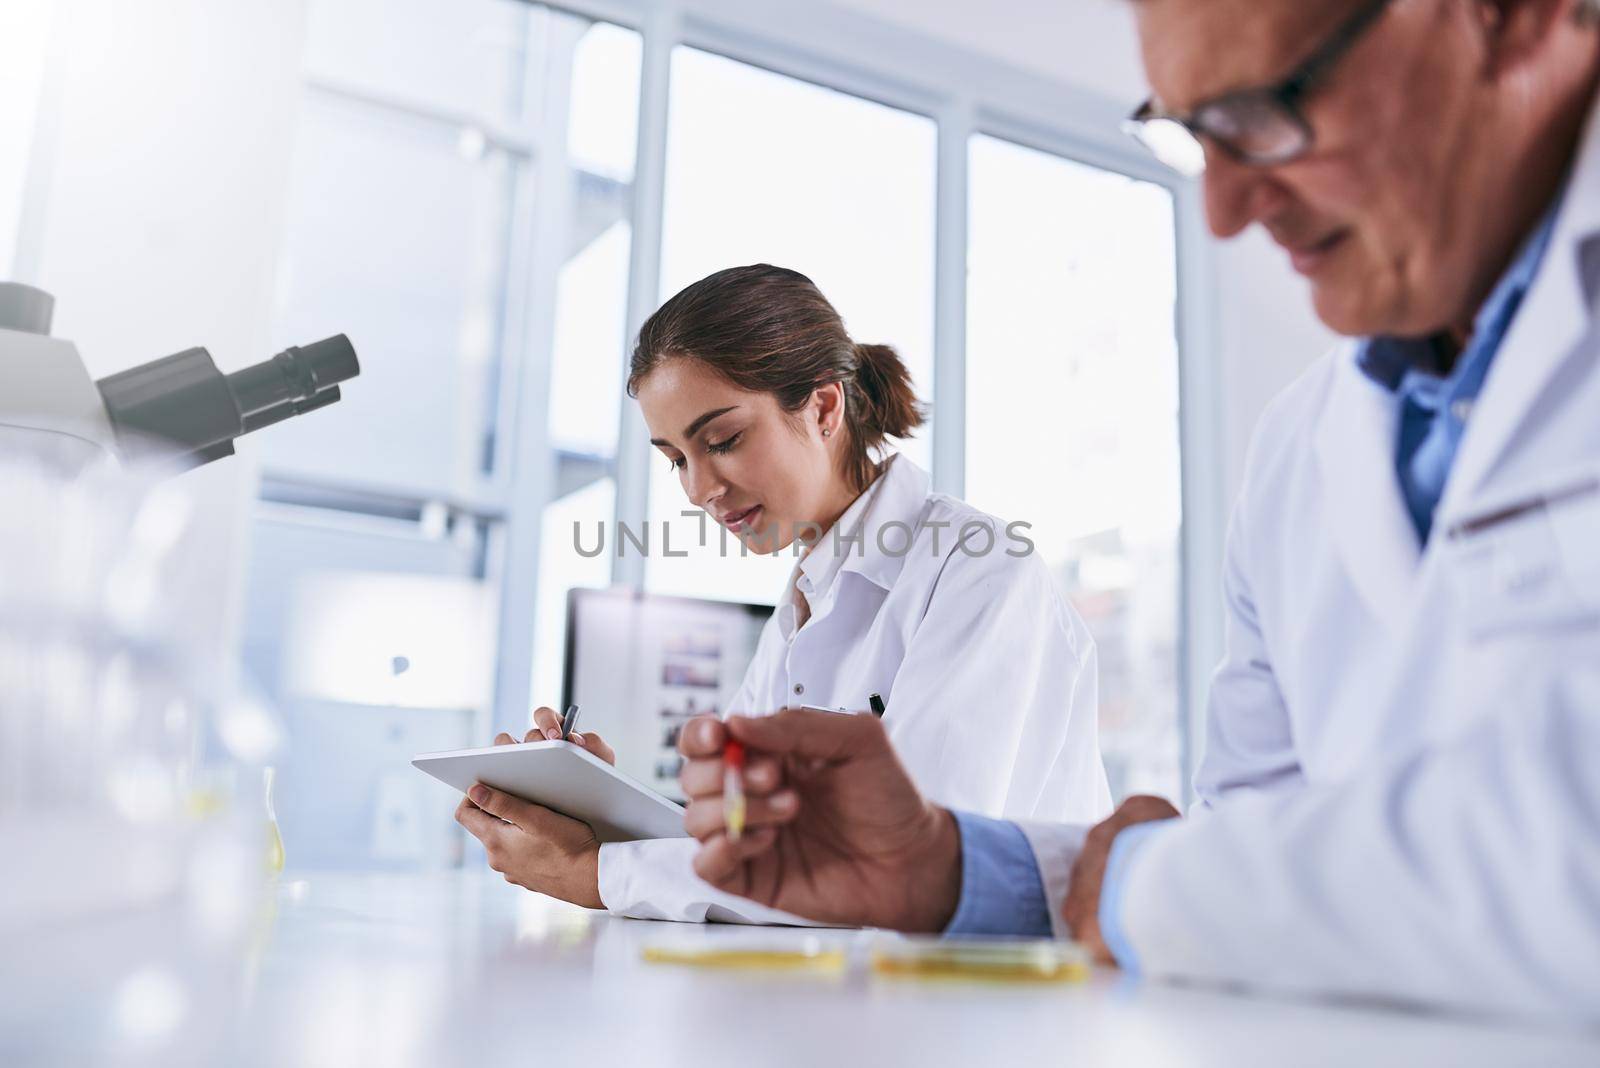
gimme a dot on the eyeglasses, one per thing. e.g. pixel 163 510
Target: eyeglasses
pixel 1261 127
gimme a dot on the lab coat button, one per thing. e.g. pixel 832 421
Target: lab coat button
pixel 799 689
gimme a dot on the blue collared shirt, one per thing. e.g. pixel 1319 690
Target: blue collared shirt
pixel 1434 410
pixel 1002 892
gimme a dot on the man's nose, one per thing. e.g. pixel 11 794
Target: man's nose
pixel 1237 194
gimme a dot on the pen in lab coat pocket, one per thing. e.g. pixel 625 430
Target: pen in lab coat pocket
pixel 874 701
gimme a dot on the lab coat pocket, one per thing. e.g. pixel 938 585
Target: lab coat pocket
pixel 1539 569
pixel 1577 533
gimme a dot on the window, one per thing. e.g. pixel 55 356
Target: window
pixel 1072 417
pixel 404 184
pixel 765 168
pixel 398 238
pixel 460 206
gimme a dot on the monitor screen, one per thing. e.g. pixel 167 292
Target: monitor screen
pixel 640 665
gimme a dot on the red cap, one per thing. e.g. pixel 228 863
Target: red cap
pixel 733 753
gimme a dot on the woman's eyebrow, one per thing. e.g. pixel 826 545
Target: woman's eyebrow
pixel 693 428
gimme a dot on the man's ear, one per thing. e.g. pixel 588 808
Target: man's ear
pixel 1517 32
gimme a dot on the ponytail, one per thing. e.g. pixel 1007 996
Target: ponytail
pixel 884 406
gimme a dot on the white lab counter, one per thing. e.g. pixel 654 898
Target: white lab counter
pixel 462 968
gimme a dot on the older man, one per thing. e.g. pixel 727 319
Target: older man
pixel 1402 772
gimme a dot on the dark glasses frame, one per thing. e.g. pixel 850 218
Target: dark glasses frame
pixel 1282 100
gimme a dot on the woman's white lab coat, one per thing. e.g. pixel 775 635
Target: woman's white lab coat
pixel 988 674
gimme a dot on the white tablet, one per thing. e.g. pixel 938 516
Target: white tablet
pixel 566 778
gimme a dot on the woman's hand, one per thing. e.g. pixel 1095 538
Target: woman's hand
pixel 530 845
pixel 547 726
pixel 534 847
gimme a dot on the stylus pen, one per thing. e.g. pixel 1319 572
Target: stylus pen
pixel 878 707
pixel 568 718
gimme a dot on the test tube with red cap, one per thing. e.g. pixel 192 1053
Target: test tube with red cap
pixel 733 788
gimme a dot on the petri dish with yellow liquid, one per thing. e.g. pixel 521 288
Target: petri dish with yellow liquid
pixel 806 955
pixel 987 960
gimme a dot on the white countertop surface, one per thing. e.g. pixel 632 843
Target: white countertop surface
pixel 460 968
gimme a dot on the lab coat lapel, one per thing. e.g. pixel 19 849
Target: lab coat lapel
pixel 1366 517
pixel 1547 332
pixel 898 496
pixel 901 498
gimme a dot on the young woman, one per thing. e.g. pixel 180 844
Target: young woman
pixel 777 422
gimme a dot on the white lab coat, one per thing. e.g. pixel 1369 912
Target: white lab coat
pixel 988 674
pixel 1402 762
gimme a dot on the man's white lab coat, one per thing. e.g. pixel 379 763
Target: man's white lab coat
pixel 1402 762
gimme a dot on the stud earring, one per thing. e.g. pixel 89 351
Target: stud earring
pixel 826 432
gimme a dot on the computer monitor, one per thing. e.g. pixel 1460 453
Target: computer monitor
pixel 640 665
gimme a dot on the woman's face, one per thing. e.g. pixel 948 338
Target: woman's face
pixel 765 475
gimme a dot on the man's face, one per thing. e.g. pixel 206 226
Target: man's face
pixel 1387 214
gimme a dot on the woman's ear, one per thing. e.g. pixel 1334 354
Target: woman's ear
pixel 828 404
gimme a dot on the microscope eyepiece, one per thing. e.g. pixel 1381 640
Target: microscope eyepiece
pixel 186 403
pixel 294 375
pixel 331 360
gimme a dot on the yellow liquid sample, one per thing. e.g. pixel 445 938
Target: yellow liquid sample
pixel 999 966
pixel 275 856
pixel 202 804
pixel 274 849
pixel 832 960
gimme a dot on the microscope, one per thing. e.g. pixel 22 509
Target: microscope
pixel 178 412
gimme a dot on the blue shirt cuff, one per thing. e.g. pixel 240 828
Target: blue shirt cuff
pixel 1123 850
pixel 1001 890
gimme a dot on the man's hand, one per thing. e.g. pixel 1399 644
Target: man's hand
pixel 1081 909
pixel 836 831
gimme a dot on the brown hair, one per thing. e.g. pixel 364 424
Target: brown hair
pixel 770 330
